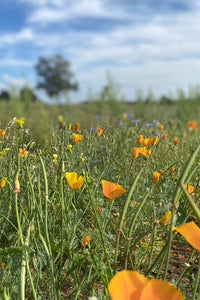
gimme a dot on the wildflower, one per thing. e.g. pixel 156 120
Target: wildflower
pixel 97 117
pixel 2 132
pixel 3 265
pixel 16 184
pixel 155 177
pixel 172 170
pixel 77 137
pixel 163 221
pixel 190 188
pixel 77 126
pixel 191 232
pixel 164 136
pixel 3 182
pixel 149 141
pixel 99 210
pixel 73 181
pixel 23 152
pixel 86 240
pixel 69 148
pixel 131 285
pixel 60 119
pixel 150 124
pixel 69 126
pixel 192 124
pixel 55 156
pixel 126 115
pixel 20 122
pixel 161 127
pixel 112 190
pixel 136 121
pixel 3 152
pixel 176 142
pixel 99 131
pixel 161 171
pixel 133 202
pixel 81 157
pixel 140 139
pixel 136 151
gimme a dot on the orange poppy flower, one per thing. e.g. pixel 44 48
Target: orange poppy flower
pixel 77 126
pixel 140 139
pixel 136 151
pixel 176 141
pixel 155 177
pixel 112 190
pixel 99 210
pixel 99 131
pixel 69 126
pixel 191 232
pixel 2 132
pixel 190 188
pixel 161 171
pixel 86 240
pixel 164 136
pixel 73 181
pixel 161 127
pixel 192 124
pixel 22 152
pixel 164 220
pixel 149 141
pixel 77 137
pixel 172 169
pixel 131 285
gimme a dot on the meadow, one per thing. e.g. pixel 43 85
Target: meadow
pixel 89 190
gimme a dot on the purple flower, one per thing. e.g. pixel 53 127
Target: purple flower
pixel 97 117
pixel 90 129
pixel 150 124
pixel 136 121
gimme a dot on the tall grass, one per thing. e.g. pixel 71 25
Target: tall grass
pixel 43 254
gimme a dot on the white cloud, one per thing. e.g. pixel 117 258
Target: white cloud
pixel 26 34
pixel 18 82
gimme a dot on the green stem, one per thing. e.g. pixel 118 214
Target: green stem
pixel 123 216
pixel 196 281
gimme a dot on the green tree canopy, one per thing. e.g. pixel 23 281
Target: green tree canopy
pixel 54 75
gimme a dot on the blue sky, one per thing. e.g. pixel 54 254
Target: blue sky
pixel 151 45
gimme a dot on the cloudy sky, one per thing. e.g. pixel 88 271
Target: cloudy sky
pixel 153 45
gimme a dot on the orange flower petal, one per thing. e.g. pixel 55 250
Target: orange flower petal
pixel 191 232
pixel 127 285
pixel 73 181
pixel 163 221
pixel 160 290
pixel 77 137
pixel 190 188
pixel 155 177
pixel 112 190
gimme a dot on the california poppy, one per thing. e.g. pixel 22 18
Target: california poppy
pixel 22 152
pixel 190 188
pixel 161 127
pixel 164 136
pixel 176 142
pixel 136 151
pixel 163 221
pixel 131 285
pixel 2 132
pixel 73 181
pixel 86 240
pixel 149 141
pixel 77 137
pixel 99 131
pixel 77 126
pixel 112 190
pixel 192 124
pixel 155 177
pixel 191 232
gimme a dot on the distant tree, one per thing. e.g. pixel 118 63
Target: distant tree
pixel 55 75
pixel 27 94
pixel 4 95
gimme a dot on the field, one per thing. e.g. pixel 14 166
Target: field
pixel 83 192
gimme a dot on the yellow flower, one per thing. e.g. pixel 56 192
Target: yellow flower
pixel 191 232
pixel 55 156
pixel 77 137
pixel 3 152
pixel 112 190
pixel 69 126
pixel 155 177
pixel 73 181
pixel 60 119
pixel 149 141
pixel 81 157
pixel 2 132
pixel 69 148
pixel 163 221
pixel 3 182
pixel 20 122
pixel 129 285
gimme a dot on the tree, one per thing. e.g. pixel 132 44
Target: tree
pixel 27 94
pixel 55 75
pixel 4 95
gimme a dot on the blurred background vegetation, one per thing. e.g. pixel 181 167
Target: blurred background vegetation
pixel 56 79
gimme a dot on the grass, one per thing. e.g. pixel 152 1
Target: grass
pixel 43 227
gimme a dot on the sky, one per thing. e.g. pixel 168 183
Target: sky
pixel 148 45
